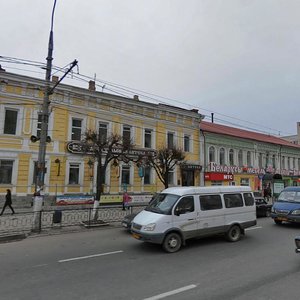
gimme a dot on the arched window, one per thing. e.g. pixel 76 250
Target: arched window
pixel 222 157
pixel 211 151
pixel 231 157
pixel 249 161
pixel 240 156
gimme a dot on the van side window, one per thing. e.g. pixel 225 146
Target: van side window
pixel 233 200
pixel 209 202
pixel 248 198
pixel 185 205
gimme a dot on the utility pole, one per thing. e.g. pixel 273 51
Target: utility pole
pixel 41 165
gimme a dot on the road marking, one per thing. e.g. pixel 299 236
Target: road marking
pixel 253 228
pixel 89 256
pixel 177 291
pixel 41 265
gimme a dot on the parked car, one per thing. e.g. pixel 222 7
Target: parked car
pixel 297 242
pixel 287 206
pixel 127 221
pixel 263 209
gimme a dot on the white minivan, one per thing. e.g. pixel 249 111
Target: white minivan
pixel 180 213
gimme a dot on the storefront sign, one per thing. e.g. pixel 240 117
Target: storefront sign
pixel 78 148
pixel 190 167
pixel 213 167
pixel 219 177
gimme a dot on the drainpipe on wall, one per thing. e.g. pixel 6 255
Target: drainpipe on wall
pixel 203 159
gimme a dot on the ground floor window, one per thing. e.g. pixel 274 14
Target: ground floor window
pixel 6 168
pixel 245 181
pixel 125 175
pixel 216 182
pixel 74 173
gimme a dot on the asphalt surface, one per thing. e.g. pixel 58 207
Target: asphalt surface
pixel 108 263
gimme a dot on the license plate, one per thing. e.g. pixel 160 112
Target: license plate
pixel 136 236
pixel 281 219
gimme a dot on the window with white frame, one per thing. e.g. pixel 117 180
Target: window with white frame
pixel 10 121
pixel 283 162
pixel 187 143
pixel 170 140
pixel 171 177
pixel 212 154
pixel 76 129
pixel 148 138
pixel 249 160
pixel 222 156
pixel 39 126
pixel 35 171
pixel 103 132
pixel 125 175
pixel 240 158
pixel 127 133
pixel 245 181
pixel 260 160
pixel 274 161
pixel 6 170
pixel 231 157
pixel 147 175
pixel 74 169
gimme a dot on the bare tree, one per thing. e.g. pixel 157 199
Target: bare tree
pixel 163 162
pixel 104 149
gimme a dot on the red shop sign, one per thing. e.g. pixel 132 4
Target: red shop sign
pixel 219 176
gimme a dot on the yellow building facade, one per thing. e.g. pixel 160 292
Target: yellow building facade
pixel 73 110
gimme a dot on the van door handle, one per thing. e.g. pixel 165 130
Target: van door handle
pixel 191 219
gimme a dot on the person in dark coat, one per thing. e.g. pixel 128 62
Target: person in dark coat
pixel 8 202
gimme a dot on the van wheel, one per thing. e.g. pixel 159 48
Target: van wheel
pixel 277 222
pixel 268 213
pixel 234 233
pixel 172 242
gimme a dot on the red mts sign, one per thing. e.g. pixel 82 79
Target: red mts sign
pixel 219 177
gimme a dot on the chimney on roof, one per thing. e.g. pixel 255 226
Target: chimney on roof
pixel 136 97
pixel 212 117
pixel 92 85
pixel 55 79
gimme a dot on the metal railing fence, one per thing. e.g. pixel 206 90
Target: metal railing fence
pixel 64 217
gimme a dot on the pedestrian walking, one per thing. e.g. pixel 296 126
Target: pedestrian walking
pixel 8 202
pixel 126 199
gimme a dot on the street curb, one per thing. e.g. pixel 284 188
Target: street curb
pixel 12 237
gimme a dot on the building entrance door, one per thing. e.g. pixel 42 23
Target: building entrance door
pixel 187 177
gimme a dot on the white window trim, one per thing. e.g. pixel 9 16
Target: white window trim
pixel 83 128
pixel 81 172
pixel 153 137
pixel 109 126
pixel 132 131
pixel 151 178
pixel 131 176
pixel 20 117
pixel 190 142
pixel 35 124
pixel 174 138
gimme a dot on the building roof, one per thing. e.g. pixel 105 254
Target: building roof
pixel 244 134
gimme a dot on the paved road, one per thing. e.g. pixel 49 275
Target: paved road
pixel 108 264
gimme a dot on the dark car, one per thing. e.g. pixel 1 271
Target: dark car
pixel 126 222
pixel 263 209
pixel 297 242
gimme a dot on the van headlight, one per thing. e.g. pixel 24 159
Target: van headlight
pixel 296 212
pixel 150 227
pixel 272 209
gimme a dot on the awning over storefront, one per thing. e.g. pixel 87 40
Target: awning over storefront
pixel 190 167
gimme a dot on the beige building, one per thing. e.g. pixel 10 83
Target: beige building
pixel 73 111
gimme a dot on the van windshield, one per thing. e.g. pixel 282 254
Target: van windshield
pixel 162 203
pixel 289 196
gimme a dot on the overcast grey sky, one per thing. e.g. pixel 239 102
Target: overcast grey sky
pixel 236 58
